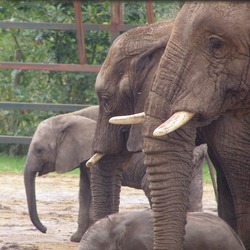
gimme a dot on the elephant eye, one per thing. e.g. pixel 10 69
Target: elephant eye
pixel 217 47
pixel 106 106
pixel 38 151
pixel 215 43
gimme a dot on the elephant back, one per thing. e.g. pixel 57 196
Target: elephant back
pixel 209 232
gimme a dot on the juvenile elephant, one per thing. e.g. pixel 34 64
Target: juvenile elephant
pixel 202 84
pixel 134 231
pixel 63 142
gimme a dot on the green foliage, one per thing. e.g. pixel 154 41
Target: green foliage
pixel 12 164
pixel 15 164
pixel 50 46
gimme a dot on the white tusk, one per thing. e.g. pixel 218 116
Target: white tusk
pixel 177 120
pixel 94 159
pixel 128 119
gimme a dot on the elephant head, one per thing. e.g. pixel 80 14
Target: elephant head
pixel 60 143
pixel 127 230
pixel 203 74
pixel 124 80
pixel 122 86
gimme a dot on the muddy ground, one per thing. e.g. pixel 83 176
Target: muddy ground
pixel 57 200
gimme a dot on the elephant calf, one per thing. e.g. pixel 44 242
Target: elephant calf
pixel 134 230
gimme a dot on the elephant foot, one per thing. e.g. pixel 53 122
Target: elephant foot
pixel 77 236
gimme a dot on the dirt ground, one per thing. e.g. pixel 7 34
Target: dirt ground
pixel 57 201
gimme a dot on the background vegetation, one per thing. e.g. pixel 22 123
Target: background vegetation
pixel 48 46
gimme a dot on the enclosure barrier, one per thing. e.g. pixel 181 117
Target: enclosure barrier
pixel 116 27
pixel 8 139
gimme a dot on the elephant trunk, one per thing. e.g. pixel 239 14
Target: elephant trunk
pixel 29 182
pixel 169 171
pixel 168 158
pixel 106 187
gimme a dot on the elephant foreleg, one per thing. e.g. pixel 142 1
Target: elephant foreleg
pixel 85 214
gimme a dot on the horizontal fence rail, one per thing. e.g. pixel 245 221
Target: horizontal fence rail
pixel 42 106
pixel 64 26
pixel 11 139
pixel 51 67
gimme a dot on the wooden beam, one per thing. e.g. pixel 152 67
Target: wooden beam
pixel 150 11
pixel 116 19
pixel 80 32
pixel 25 106
pixel 51 67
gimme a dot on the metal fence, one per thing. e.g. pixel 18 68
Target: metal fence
pixel 115 27
pixel 8 139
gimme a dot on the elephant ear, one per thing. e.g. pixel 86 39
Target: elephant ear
pixel 74 142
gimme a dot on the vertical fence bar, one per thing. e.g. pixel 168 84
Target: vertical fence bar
pixel 80 32
pixel 150 11
pixel 116 19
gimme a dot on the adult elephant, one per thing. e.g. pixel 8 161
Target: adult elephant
pixel 122 86
pixel 202 81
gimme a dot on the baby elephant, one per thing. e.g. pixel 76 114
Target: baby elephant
pixel 134 231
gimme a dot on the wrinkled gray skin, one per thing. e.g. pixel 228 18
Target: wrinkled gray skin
pixel 204 70
pixel 134 231
pixel 122 86
pixel 49 150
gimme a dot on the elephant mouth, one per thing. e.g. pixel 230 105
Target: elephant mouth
pixel 45 169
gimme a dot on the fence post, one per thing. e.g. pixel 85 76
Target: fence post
pixel 80 31
pixel 116 19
